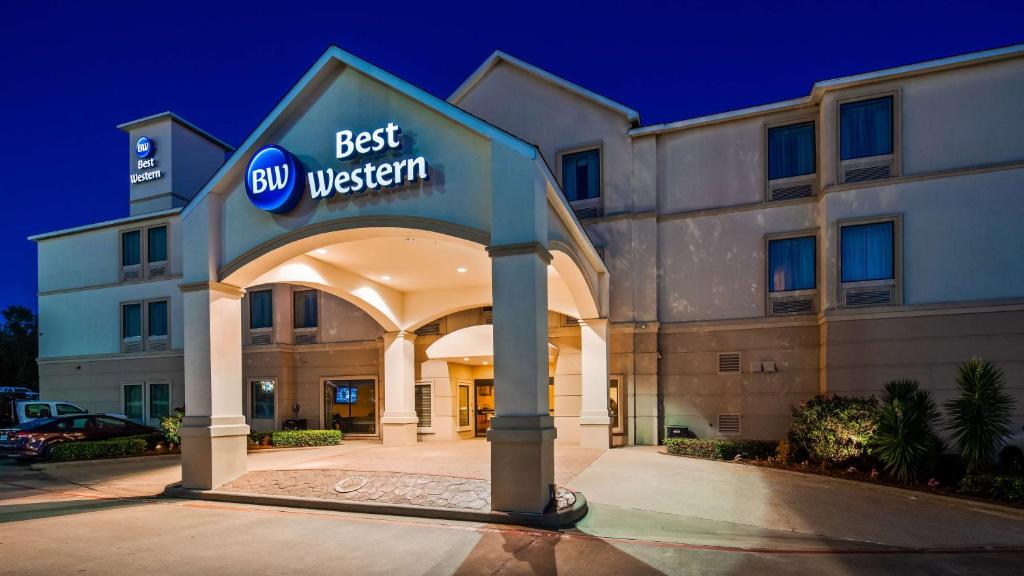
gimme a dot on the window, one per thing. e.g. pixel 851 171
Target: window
pixel 867 252
pixel 156 244
pixel 131 248
pixel 305 309
pixel 63 409
pixel 868 262
pixel 110 424
pixel 464 395
pixel 157 319
pixel 865 128
pixel 581 175
pixel 159 400
pixel 131 327
pixel 423 405
pixel 791 264
pixel 37 411
pixel 616 407
pixel 791 151
pixel 262 399
pixel 261 309
pixel 132 402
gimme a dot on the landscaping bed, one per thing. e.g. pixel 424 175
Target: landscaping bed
pixel 895 440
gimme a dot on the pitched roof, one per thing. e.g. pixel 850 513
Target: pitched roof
pixel 498 57
pixel 333 54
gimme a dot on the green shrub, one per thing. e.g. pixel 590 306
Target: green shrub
pixel 904 439
pixel 1006 487
pixel 784 451
pixel 834 429
pixel 980 415
pixel 257 437
pixel 305 437
pixel 170 425
pixel 112 448
pixel 717 449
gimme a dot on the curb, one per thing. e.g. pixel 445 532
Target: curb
pixel 552 520
pixel 44 466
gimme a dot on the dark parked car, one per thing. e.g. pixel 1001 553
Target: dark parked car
pixel 34 439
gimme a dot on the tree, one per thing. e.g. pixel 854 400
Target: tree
pixel 19 347
pixel 980 415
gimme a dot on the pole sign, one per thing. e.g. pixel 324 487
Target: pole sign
pixel 145 165
pixel 275 178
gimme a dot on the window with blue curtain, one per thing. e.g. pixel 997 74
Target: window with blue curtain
pixel 157 318
pixel 156 244
pixel 791 151
pixel 305 309
pixel 581 175
pixel 791 264
pixel 131 248
pixel 131 320
pixel 865 128
pixel 263 399
pixel 867 252
pixel 261 309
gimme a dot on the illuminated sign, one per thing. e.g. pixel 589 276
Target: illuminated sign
pixel 274 179
pixel 368 175
pixel 144 147
pixel 146 164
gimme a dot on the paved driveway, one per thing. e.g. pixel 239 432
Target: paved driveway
pixel 641 493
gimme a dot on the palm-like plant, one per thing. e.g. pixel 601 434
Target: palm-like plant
pixel 905 440
pixel 980 415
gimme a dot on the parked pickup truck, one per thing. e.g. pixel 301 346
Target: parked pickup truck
pixel 20 407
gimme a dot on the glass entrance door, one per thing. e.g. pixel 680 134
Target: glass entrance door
pixel 484 405
pixel 351 406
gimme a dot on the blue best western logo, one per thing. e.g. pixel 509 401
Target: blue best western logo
pixel 143 147
pixel 275 179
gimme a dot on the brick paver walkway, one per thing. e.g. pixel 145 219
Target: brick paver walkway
pixel 400 488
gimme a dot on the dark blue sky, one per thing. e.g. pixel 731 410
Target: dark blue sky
pixel 71 71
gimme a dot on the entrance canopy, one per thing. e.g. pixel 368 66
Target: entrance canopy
pixel 471 345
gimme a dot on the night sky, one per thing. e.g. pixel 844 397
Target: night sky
pixel 72 71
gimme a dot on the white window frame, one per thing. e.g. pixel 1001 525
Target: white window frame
pixel 147 396
pixel 805 179
pixel 126 342
pixel 144 257
pixel 166 339
pixel 123 269
pixel 895 158
pixel 145 400
pixel 770 296
pixel 896 283
pixel 426 429
pixel 469 406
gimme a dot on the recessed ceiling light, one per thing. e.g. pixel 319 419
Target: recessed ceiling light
pixel 485 362
pixel 321 250
pixel 385 277
pixel 460 269
pixel 465 358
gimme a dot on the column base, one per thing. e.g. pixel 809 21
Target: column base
pixel 213 450
pixel 595 436
pixel 522 463
pixel 398 430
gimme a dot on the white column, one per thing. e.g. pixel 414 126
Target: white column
pixel 398 423
pixel 594 418
pixel 213 432
pixel 522 432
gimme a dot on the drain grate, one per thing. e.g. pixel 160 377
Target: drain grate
pixel 350 484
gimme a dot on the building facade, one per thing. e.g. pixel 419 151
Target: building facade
pixel 749 261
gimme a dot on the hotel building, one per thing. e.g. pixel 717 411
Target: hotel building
pixel 563 270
